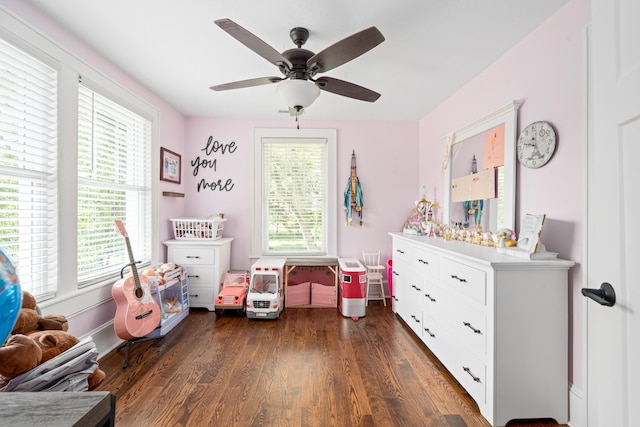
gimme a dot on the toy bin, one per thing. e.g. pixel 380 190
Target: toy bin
pixel 198 228
pixel 352 288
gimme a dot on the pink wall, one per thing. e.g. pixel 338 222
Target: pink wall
pixel 386 166
pixel 547 71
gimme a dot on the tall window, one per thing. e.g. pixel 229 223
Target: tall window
pixel 28 168
pixel 114 182
pixel 295 192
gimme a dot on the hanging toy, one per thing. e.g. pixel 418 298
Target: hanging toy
pixel 353 194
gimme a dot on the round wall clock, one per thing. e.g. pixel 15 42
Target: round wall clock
pixel 536 144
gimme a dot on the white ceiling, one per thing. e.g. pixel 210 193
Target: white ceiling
pixel 432 48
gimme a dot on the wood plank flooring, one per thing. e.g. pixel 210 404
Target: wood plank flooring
pixel 312 367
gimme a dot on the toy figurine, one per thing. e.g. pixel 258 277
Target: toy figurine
pixel 418 223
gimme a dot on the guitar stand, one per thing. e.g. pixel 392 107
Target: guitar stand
pixel 134 341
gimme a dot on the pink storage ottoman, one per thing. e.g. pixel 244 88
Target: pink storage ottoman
pixel 298 294
pixel 323 295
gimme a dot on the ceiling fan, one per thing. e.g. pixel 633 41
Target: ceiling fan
pixel 300 66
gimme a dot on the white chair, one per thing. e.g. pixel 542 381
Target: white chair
pixel 375 285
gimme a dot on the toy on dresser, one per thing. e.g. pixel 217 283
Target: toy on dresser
pixel 421 220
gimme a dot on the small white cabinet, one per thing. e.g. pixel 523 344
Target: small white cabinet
pixel 498 323
pixel 206 262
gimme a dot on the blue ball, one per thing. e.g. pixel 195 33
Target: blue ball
pixel 10 296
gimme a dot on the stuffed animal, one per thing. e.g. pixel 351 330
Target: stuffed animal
pixel 30 320
pixel 52 343
pixel 18 355
pixel 36 339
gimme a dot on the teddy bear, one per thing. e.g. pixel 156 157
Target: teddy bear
pixel 36 339
pixel 30 320
pixel 19 354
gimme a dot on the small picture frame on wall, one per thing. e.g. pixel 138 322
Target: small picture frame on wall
pixel 170 165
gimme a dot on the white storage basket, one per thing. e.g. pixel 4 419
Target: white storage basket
pixel 198 228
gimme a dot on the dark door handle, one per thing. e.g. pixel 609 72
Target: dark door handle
pixel 604 296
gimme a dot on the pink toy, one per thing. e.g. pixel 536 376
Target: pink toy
pixel 233 295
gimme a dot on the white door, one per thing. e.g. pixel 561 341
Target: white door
pixel 613 333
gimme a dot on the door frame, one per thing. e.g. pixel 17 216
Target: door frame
pixel 578 416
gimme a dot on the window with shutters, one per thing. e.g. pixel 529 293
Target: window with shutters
pixel 114 182
pixel 295 192
pixel 28 168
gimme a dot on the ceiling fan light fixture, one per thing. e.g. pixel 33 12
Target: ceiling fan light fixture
pixel 298 93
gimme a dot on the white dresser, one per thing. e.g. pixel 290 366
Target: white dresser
pixel 206 262
pixel 498 323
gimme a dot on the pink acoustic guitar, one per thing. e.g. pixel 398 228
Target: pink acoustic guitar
pixel 137 312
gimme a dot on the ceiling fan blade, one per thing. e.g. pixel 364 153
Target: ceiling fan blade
pixel 252 42
pixel 340 87
pixel 247 83
pixel 345 50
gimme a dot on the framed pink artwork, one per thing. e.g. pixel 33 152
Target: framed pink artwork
pixel 170 165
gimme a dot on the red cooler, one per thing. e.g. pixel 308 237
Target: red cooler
pixel 353 281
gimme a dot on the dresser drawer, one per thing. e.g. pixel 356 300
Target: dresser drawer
pixel 402 251
pixel 472 375
pixel 201 275
pixel 437 338
pixel 433 300
pixel 468 281
pixel 470 328
pixel 426 262
pixel 201 296
pixel 193 256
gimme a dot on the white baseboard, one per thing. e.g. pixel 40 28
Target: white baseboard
pixel 577 407
pixel 105 338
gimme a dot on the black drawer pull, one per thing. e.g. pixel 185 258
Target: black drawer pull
pixel 453 276
pixel 431 334
pixel 423 261
pixel 400 251
pixel 430 297
pixel 193 275
pixel 194 295
pixel 395 272
pixel 468 371
pixel 193 256
pixel 468 325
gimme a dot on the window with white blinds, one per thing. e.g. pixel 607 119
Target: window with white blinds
pixel 28 168
pixel 295 194
pixel 114 182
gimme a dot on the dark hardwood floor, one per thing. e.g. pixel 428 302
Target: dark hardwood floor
pixel 312 367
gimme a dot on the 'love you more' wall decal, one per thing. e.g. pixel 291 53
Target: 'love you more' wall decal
pixel 212 148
